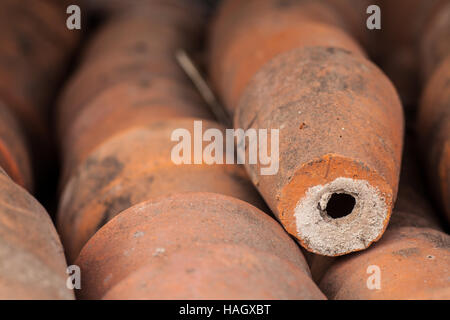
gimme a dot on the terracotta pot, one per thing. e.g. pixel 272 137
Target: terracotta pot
pixel 413 264
pixel 18 87
pixel 412 215
pixel 88 83
pixel 434 133
pixel 123 106
pixel 33 264
pixel 217 272
pixel 136 46
pixel 139 236
pixel 141 32
pixel 247 35
pixel 340 127
pixel 136 166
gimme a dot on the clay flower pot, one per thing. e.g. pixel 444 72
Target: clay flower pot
pixel 136 166
pixel 154 232
pixel 433 127
pixel 88 83
pixel 218 272
pixel 341 131
pixel 33 264
pixel 247 34
pixel 124 106
pixel 137 45
pixel 411 261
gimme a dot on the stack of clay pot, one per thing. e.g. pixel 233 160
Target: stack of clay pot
pixel 131 217
pixel 296 66
pixel 150 205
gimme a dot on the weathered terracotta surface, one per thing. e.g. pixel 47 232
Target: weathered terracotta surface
pixel 136 46
pixel 88 83
pixel 153 230
pixel 338 116
pixel 127 105
pixel 115 142
pixel 247 34
pixel 413 255
pixel 218 271
pixel 434 133
pixel 414 264
pixel 32 259
pixel 14 156
pixel 134 167
pixel 143 31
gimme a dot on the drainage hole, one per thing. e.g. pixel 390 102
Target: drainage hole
pixel 340 205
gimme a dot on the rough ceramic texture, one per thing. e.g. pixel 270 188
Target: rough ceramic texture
pixel 139 45
pixel 414 264
pixel 114 144
pixel 218 272
pixel 127 105
pixel 247 34
pixel 133 32
pixel 341 131
pixel 434 133
pixel 140 235
pixel 411 210
pixel 134 167
pixel 32 258
pixel 88 83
